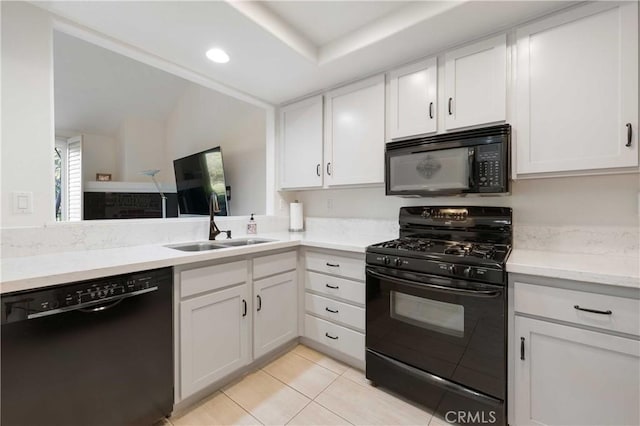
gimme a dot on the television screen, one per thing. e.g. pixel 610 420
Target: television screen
pixel 198 177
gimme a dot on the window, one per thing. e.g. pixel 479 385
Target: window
pixel 68 178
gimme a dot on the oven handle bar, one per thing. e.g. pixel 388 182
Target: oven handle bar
pixel 441 382
pixel 441 288
pixel 83 306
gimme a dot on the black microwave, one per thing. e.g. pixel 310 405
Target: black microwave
pixel 467 162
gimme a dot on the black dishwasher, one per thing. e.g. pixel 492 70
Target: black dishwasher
pixel 96 352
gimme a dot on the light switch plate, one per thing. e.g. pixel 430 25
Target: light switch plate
pixel 22 202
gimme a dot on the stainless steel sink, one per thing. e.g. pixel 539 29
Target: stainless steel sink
pixel 243 242
pixel 219 244
pixel 205 246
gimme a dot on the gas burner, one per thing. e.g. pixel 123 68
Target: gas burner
pixel 458 249
pixel 483 251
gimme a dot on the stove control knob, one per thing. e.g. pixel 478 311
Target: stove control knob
pixel 398 262
pixel 386 260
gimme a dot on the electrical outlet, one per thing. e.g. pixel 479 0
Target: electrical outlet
pixel 281 204
pixel 329 204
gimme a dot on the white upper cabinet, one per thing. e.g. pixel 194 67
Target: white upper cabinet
pixel 413 93
pixel 475 83
pixel 301 144
pixel 577 91
pixel 354 133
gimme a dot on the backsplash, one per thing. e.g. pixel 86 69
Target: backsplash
pixel 92 235
pixel 604 240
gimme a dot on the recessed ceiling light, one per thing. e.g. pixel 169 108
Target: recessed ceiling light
pixel 218 55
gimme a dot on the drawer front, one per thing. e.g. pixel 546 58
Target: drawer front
pixel 333 310
pixel 337 337
pixel 342 266
pixel 559 303
pixel 208 278
pixel 274 264
pixel 351 291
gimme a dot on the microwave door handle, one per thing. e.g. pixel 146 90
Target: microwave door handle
pixel 472 167
pixel 435 287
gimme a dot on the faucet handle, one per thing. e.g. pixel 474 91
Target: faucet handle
pixel 228 234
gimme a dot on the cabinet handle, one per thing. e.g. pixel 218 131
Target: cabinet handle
pixel 450 101
pixel 593 311
pixel 244 312
pixel 629 135
pixel 335 287
pixel 259 302
pixel 330 310
pixel 330 336
pixel 522 348
pixel 318 169
pixel 329 169
pixel 333 265
pixel 431 110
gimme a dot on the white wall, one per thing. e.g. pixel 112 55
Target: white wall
pixel 204 119
pixel 98 156
pixel 27 112
pixel 141 146
pixel 580 201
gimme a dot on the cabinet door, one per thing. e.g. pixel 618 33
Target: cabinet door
pixel 214 337
pixel 475 83
pixel 577 88
pixel 301 144
pixel 412 99
pixel 571 376
pixel 354 133
pixel 275 319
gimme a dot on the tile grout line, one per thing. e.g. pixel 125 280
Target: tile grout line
pixel 241 407
pixel 330 410
pixel 319 365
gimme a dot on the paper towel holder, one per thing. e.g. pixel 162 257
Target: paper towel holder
pixel 290 228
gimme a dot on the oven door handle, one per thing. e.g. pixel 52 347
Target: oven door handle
pixel 435 287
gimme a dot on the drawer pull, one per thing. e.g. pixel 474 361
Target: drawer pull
pixel 333 265
pixel 331 310
pixel 593 311
pixel 335 287
pixel 244 312
pixel 522 348
pixel 629 135
pixel 259 302
pixel 330 336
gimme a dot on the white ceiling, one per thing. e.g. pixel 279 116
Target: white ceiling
pixel 96 89
pixel 325 21
pixel 284 50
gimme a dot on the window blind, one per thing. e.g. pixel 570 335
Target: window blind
pixel 74 178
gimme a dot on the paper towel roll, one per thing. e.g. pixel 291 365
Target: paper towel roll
pixel 296 223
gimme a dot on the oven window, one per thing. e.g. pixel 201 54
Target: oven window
pixel 434 315
pixel 430 171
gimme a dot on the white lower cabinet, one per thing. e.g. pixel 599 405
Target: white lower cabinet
pixel 220 306
pixel 566 375
pixel 275 319
pixel 214 337
pixel 334 301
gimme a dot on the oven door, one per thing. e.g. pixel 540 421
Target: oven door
pixel 451 329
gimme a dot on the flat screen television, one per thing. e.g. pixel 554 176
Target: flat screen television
pixel 198 177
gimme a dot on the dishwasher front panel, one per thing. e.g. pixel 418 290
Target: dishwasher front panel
pixel 107 364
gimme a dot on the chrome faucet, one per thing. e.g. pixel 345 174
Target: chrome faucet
pixel 214 208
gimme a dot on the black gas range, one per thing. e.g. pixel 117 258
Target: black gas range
pixel 436 304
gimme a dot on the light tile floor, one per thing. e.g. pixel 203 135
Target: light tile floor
pixel 304 387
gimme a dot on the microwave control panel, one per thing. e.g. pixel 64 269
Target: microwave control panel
pixel 490 166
